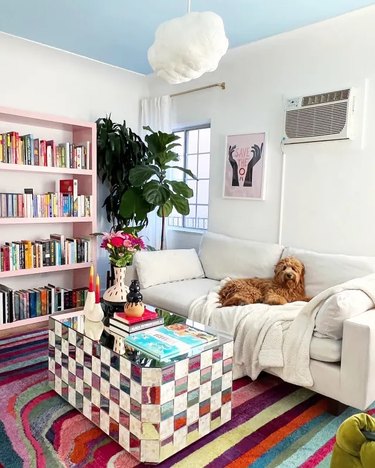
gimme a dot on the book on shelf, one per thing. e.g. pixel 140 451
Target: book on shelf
pixel 30 151
pixel 166 342
pixel 35 302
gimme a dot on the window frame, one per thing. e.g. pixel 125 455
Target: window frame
pixel 185 131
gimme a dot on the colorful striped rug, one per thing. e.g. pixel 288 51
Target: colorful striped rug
pixel 274 424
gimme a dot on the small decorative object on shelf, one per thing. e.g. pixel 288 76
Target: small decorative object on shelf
pixel 96 314
pixel 90 299
pixel 134 306
pixel 121 247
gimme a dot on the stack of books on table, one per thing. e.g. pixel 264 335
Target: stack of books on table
pixel 166 342
pixel 124 325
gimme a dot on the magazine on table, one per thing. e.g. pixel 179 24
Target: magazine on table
pixel 169 341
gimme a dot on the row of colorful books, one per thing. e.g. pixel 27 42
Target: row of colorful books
pixel 57 250
pixel 148 335
pixel 27 150
pixel 48 205
pixel 35 302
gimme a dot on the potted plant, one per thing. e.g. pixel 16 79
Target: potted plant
pixel 119 150
pixel 151 185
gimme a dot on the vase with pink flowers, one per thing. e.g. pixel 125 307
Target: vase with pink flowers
pixel 121 247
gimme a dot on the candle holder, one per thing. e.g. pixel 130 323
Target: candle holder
pixel 96 313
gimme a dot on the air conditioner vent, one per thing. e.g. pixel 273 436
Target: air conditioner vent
pixel 318 117
pixel 316 121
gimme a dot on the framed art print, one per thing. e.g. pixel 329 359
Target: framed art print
pixel 244 166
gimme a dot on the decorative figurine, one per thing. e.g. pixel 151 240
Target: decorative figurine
pixel 134 306
pixel 90 298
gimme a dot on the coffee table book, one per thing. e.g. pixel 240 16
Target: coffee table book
pixel 163 343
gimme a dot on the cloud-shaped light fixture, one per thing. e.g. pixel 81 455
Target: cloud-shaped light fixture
pixel 187 47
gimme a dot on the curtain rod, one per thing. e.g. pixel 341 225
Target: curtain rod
pixel 220 85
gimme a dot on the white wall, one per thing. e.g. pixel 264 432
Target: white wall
pixel 38 78
pixel 330 187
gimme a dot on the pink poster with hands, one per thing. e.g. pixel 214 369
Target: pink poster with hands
pixel 244 166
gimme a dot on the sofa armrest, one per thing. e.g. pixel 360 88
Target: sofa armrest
pixel 358 359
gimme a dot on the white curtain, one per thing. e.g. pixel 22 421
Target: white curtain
pixel 155 113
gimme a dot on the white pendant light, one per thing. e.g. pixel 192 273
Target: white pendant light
pixel 187 47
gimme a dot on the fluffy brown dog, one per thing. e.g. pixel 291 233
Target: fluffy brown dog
pixel 288 285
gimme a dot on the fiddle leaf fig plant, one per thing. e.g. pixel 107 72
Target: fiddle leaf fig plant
pixel 120 150
pixel 150 182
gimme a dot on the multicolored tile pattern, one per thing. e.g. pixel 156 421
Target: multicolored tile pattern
pixel 151 412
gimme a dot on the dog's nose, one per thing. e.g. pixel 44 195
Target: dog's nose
pixel 289 275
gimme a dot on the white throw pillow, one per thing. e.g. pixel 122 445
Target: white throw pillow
pixel 163 266
pixel 223 256
pixel 329 321
pixel 326 270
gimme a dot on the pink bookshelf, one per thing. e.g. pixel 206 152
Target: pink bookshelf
pixel 15 177
pixel 42 318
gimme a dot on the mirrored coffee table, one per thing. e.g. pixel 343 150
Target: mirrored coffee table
pixel 152 409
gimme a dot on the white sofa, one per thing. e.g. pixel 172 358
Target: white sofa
pixel 342 350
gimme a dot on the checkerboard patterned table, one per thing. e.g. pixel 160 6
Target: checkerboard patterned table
pixel 152 412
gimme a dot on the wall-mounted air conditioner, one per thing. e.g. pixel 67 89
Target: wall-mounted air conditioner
pixel 320 117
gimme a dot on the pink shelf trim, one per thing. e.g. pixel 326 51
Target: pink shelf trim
pixel 67 219
pixel 45 169
pixel 42 318
pixel 42 119
pixel 50 269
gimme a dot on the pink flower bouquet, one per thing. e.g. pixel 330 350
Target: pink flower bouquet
pixel 121 247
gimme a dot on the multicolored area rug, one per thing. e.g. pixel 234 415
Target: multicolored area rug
pixel 274 424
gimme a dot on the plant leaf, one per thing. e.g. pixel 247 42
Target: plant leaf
pixel 186 171
pixel 165 209
pixel 181 188
pixel 134 206
pixel 141 174
pixel 156 193
pixel 181 204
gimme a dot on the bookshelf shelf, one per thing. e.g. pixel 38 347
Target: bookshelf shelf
pixel 56 220
pixel 44 169
pixel 50 269
pixel 42 318
pixel 27 134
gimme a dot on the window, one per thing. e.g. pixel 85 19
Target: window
pixel 194 154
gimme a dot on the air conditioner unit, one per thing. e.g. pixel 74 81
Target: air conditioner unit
pixel 320 117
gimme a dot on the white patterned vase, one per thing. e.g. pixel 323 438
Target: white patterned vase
pixel 117 293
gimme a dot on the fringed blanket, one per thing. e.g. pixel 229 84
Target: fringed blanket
pixel 274 338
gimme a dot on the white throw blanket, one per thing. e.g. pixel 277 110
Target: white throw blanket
pixel 276 338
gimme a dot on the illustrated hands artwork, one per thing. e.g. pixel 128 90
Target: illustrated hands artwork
pixel 233 163
pixel 257 154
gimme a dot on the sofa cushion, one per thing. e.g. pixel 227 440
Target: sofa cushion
pixel 326 350
pixel 163 266
pixel 223 256
pixel 177 296
pixel 326 270
pixel 329 321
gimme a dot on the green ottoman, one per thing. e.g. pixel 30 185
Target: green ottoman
pixel 352 449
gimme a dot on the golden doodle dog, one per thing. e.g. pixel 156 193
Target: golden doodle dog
pixel 288 285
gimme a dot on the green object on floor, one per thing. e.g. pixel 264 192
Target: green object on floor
pixel 352 449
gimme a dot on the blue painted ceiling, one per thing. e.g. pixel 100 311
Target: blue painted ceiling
pixel 119 32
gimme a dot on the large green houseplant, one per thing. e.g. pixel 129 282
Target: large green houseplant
pixel 119 150
pixel 151 185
